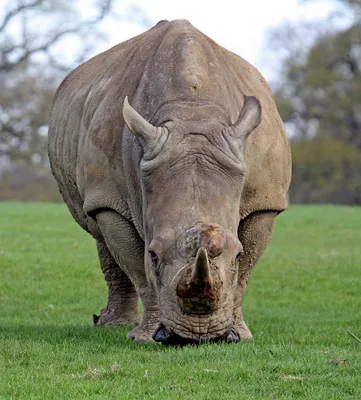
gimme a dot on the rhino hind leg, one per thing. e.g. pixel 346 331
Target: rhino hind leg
pixel 255 233
pixel 122 307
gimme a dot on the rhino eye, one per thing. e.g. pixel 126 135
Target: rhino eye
pixel 153 258
pixel 239 256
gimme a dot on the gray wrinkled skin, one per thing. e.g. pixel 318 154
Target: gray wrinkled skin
pixel 180 187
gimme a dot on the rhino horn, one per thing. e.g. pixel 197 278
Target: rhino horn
pixel 201 273
pixel 249 117
pixel 138 125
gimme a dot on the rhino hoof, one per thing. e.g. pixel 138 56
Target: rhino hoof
pixel 141 334
pixel 244 332
pixel 115 317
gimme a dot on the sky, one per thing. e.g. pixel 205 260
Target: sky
pixel 238 25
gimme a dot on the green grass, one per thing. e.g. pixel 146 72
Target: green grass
pixel 301 296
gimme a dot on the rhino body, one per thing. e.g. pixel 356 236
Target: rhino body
pixel 179 186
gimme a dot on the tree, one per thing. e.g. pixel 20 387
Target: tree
pixel 319 99
pixel 41 41
pixel 320 94
pixel 25 100
pixel 30 28
pixel 31 66
pixel 325 171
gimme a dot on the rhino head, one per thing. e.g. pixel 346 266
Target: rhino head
pixel 192 180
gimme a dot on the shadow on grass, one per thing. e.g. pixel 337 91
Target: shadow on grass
pixel 81 335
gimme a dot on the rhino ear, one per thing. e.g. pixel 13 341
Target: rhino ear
pixel 138 125
pixel 249 117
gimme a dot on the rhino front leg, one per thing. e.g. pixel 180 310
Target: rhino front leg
pixel 255 233
pixel 122 307
pixel 127 249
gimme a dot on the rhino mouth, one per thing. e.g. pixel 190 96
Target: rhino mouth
pixel 167 338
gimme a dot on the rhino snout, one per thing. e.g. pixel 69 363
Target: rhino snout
pixel 199 290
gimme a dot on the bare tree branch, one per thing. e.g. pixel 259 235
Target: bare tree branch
pixel 15 50
pixel 9 57
pixel 6 65
pixel 15 12
pixel 31 35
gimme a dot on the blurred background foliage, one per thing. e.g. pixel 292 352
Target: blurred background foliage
pixel 33 35
pixel 318 93
pixel 317 86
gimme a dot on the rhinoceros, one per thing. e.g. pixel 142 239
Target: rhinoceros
pixel 169 150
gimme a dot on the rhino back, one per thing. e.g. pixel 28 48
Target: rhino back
pixel 190 68
pixel 163 71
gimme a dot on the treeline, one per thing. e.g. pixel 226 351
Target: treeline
pixel 319 97
pixel 317 90
pixel 40 42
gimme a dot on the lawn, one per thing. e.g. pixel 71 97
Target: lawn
pixel 303 294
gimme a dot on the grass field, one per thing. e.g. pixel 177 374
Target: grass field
pixel 301 297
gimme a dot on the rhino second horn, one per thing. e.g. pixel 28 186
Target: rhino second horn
pixel 137 124
pixel 249 118
pixel 201 272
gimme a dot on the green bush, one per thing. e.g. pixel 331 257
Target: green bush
pixel 325 171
